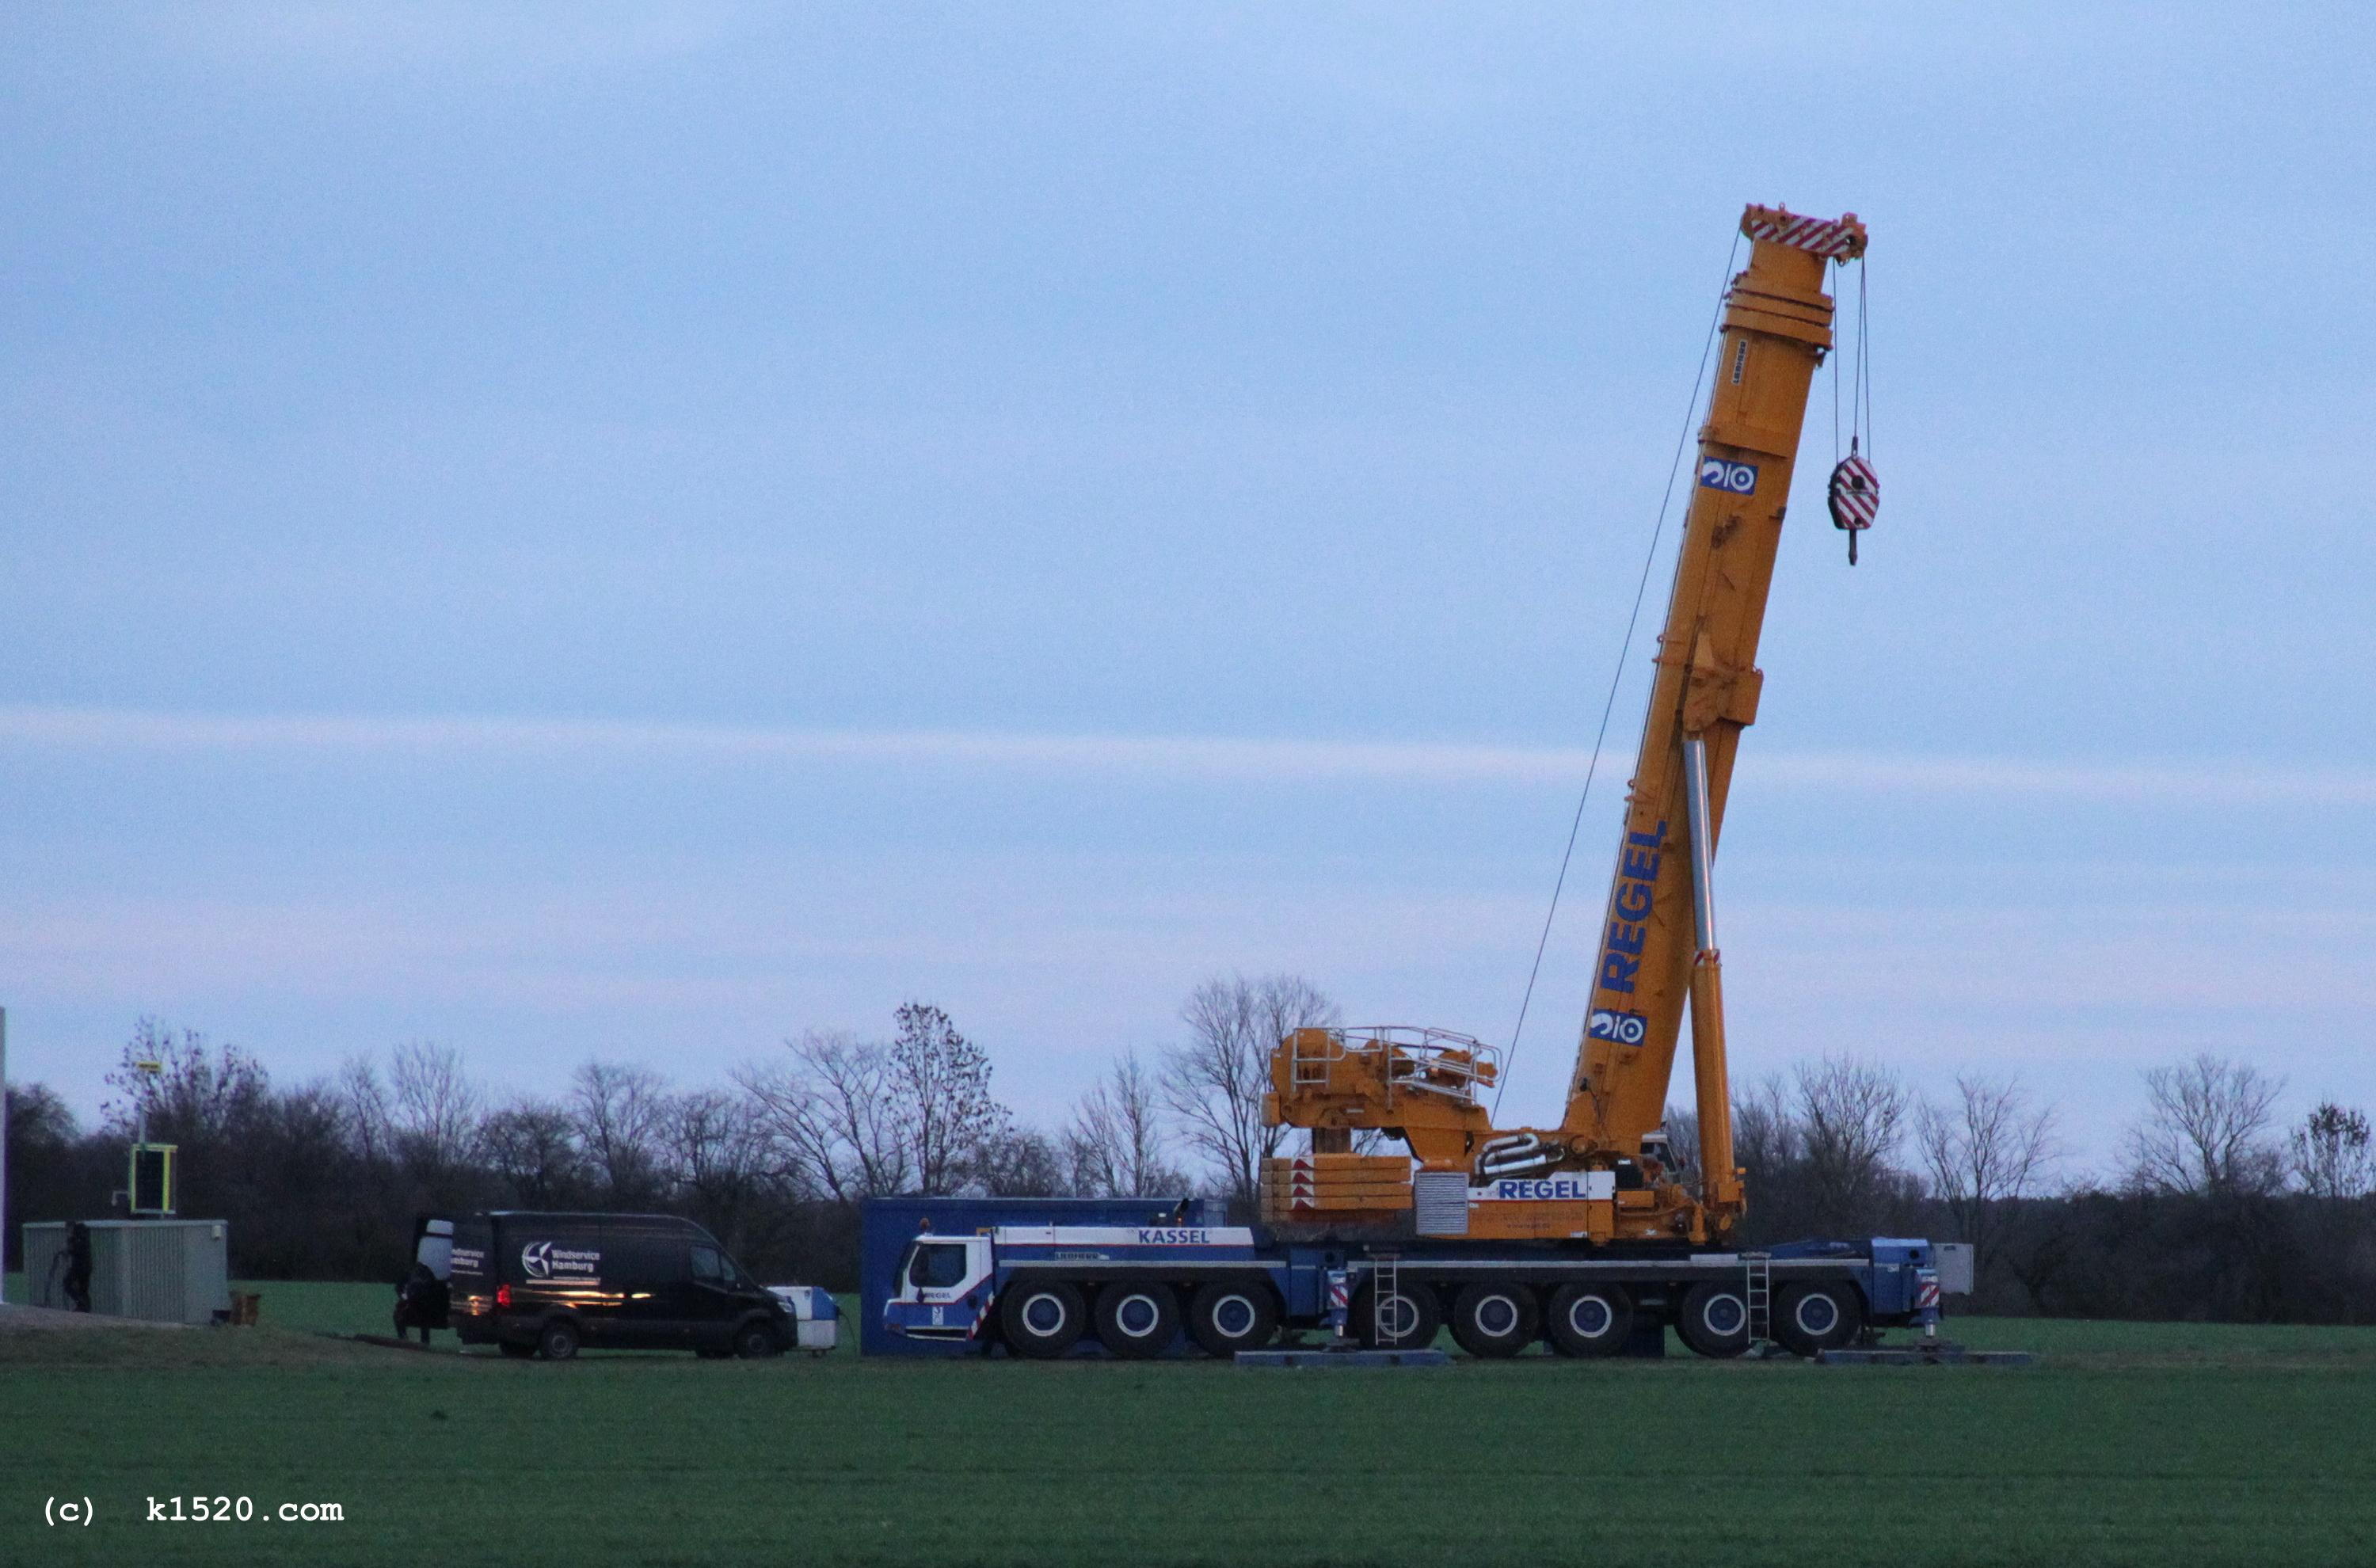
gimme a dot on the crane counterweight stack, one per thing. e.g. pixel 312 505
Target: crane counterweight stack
pixel 1604 1173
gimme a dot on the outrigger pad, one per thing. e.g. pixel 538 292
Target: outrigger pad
pixel 1295 1359
pixel 1933 1356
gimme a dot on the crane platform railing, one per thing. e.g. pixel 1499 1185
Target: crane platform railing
pixel 1415 1058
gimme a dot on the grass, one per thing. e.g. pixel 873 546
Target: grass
pixel 2134 1444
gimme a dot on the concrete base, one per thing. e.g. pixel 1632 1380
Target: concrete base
pixel 1941 1354
pixel 1296 1360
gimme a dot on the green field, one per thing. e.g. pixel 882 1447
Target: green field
pixel 2143 1444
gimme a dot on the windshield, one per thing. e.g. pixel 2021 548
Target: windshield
pixel 937 1265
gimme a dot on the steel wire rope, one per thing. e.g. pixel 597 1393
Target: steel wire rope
pixel 1649 559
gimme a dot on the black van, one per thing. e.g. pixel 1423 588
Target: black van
pixel 545 1284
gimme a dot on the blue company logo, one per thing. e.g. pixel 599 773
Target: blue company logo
pixel 1625 1028
pixel 1741 479
pixel 1546 1189
pixel 1173 1239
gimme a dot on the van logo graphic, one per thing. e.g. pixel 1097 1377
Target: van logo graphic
pixel 543 1260
pixel 1740 479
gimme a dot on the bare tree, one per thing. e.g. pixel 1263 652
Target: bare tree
pixel 1683 1129
pixel 828 1116
pixel 616 1110
pixel 433 1109
pixel 200 1096
pixel 1213 1083
pixel 1851 1116
pixel 2331 1153
pixel 363 1115
pixel 2205 1130
pixel 1992 1145
pixel 940 1084
pixel 1766 1139
pixel 533 1146
pixel 1020 1162
pixel 859 1119
pixel 1115 1143
pixel 717 1154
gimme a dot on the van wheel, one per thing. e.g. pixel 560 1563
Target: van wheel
pixel 1137 1321
pixel 1231 1315
pixel 1810 1319
pixel 1715 1319
pixel 559 1341
pixel 517 1352
pixel 1494 1319
pixel 1591 1320
pixel 1041 1320
pixel 755 1342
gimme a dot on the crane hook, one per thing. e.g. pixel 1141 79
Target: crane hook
pixel 1855 496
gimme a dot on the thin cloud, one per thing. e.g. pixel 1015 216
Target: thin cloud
pixel 1206 757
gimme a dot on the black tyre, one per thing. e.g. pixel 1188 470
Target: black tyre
pixel 1041 1319
pixel 1823 1315
pixel 1495 1319
pixel 1230 1316
pixel 1713 1318
pixel 755 1341
pixel 558 1340
pixel 1590 1319
pixel 1403 1319
pixel 517 1352
pixel 1137 1321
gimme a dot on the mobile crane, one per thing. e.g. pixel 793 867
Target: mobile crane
pixel 1578 1233
pixel 1606 1173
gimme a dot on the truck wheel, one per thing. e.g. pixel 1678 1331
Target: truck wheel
pixel 1714 1320
pixel 1821 1316
pixel 1591 1320
pixel 1494 1319
pixel 558 1341
pixel 754 1341
pixel 1042 1320
pixel 1137 1321
pixel 1404 1320
pixel 1231 1315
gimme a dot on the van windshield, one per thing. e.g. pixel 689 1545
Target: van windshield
pixel 711 1266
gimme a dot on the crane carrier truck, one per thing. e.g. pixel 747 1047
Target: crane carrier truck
pixel 1574 1233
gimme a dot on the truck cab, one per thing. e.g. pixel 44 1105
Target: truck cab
pixel 945 1288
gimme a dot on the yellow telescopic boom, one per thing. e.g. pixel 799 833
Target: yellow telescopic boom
pixel 1658 943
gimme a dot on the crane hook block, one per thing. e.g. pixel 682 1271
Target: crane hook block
pixel 1855 497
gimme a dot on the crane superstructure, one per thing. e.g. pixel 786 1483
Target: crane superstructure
pixel 1606 1173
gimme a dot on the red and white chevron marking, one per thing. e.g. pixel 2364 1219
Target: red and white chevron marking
pixel 1855 494
pixel 1301 1190
pixel 1825 236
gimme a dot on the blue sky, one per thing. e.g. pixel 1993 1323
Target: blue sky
pixel 640 530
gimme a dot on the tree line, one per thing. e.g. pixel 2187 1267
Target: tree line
pixel 2214 1208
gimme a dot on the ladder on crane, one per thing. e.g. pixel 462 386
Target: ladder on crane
pixel 1385 1286
pixel 1757 1296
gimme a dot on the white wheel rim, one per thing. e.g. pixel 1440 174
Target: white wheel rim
pixel 1044 1315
